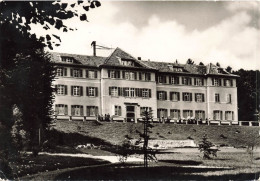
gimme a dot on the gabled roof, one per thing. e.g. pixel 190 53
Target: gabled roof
pixel 216 70
pixel 94 61
pixel 118 55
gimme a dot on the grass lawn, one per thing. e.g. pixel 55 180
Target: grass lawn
pixel 27 164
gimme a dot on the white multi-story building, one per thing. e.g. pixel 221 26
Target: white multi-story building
pixel 123 87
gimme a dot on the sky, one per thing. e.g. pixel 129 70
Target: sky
pixel 209 32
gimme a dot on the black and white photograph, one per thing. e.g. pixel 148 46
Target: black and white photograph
pixel 129 90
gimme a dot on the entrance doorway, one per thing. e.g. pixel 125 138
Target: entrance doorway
pixel 130 113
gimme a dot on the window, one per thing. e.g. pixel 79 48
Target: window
pixel 67 59
pixel 186 81
pixel 61 71
pixel 132 75
pixel 216 82
pixel 145 76
pixel 127 62
pixel 76 110
pixel 76 72
pixel 174 96
pixel 174 80
pixel 114 74
pixel 126 75
pixel 61 109
pixel 61 89
pixel 229 115
pixel 118 111
pixel 187 114
pixel 162 113
pixel 143 109
pixel 113 91
pixel 217 115
pixel 126 92
pixel 186 96
pixel 161 95
pixel 162 79
pixel 92 110
pixel 146 93
pixel 92 91
pixel 217 99
pixel 199 114
pixel 199 97
pixel 228 82
pixel 198 81
pixel 76 91
pixel 92 74
pixel 175 114
pixel 132 92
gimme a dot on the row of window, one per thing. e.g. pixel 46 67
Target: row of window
pixel 74 72
pixel 130 92
pixel 129 75
pixel 196 81
pixel 76 110
pixel 199 114
pixel 76 90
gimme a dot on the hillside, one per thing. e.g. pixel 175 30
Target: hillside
pixel 115 132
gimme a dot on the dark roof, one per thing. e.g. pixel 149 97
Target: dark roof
pixel 94 61
pixel 119 54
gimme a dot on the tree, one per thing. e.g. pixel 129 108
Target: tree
pixel 205 148
pixel 229 69
pixel 25 69
pixel 248 94
pixel 190 61
pixel 218 64
pixel 201 63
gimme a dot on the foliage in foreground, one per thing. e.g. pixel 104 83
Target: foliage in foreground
pixel 205 148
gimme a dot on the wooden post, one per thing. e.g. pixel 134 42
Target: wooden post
pixel 250 123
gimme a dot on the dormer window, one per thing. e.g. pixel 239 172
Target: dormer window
pixel 127 63
pixel 67 59
pixel 219 71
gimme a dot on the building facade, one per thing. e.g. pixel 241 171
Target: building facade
pixel 122 87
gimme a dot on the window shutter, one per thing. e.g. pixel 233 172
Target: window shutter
pixel 149 76
pixel 178 80
pixel 87 91
pixel 226 115
pixel 214 115
pixel 170 80
pixel 71 72
pixel 178 94
pixel 202 81
pixel 124 91
pixel 182 80
pixel 88 111
pixel 191 113
pixel 80 73
pixel 157 95
pixel 225 82
pixel 81 90
pixel 135 75
pixel 96 91
pixel 72 110
pixel 65 71
pixel 179 114
pixel 95 72
pixel 108 73
pixel 110 90
pixel 118 74
pixel 171 95
pixel 195 81
pixel 72 87
pixel 232 115
pixel 183 96
pixel 141 92
pixel 119 111
pixel 140 75
pixel 86 73
pixel 56 109
pixel 66 90
pixel 165 95
pixel 66 109
pixel 220 115
pixel 150 93
pixel 231 82
pixel 203 99
pixel 56 89
pixel 96 110
pixel 190 81
pixel 212 81
pixel 190 96
pixel 136 92
pixel 119 91
pixel 220 81
pixel 196 97
pixel 123 74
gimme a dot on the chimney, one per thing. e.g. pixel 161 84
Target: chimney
pixel 139 58
pixel 93 44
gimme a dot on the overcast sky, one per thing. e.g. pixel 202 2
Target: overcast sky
pixel 224 32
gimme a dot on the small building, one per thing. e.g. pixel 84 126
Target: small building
pixel 123 87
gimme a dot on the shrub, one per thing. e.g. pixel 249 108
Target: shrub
pixel 205 148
